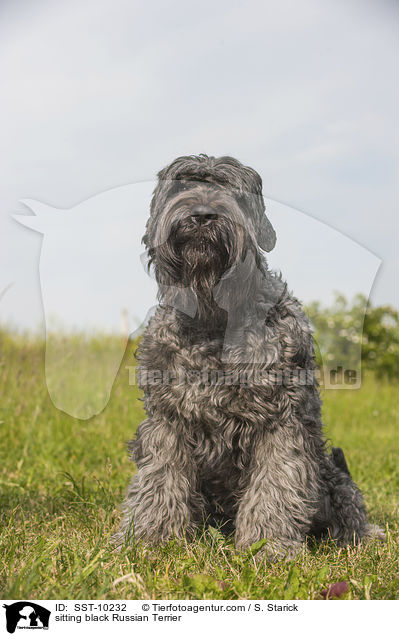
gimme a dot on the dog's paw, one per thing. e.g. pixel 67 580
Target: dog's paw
pixel 273 550
pixel 375 532
pixel 279 552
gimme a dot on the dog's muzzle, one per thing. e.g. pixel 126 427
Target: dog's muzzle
pixel 202 215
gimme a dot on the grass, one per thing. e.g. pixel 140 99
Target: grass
pixel 62 481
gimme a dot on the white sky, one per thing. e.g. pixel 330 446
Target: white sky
pixel 106 92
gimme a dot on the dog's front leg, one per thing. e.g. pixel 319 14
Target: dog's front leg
pixel 162 500
pixel 279 499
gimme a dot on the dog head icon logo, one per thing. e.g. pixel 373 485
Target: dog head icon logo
pixel 26 615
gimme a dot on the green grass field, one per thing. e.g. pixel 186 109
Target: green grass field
pixel 62 481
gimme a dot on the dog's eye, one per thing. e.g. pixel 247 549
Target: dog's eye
pixel 183 185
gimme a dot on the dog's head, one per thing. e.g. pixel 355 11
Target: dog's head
pixel 207 216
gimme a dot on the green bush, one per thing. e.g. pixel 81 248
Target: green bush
pixel 349 333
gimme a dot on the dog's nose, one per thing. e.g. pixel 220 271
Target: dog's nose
pixel 203 215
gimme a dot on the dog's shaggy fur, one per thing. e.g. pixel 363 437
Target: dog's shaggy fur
pixel 249 455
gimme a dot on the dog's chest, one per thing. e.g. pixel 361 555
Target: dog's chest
pixel 201 383
pixel 194 382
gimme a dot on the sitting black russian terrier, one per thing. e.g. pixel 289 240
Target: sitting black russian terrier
pixel 233 433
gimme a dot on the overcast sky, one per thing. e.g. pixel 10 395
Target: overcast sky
pixel 104 93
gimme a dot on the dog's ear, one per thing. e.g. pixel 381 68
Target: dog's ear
pixel 267 235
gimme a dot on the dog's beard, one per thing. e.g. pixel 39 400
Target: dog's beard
pixel 205 257
pixel 194 261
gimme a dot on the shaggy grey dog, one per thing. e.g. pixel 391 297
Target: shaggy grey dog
pixel 234 432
